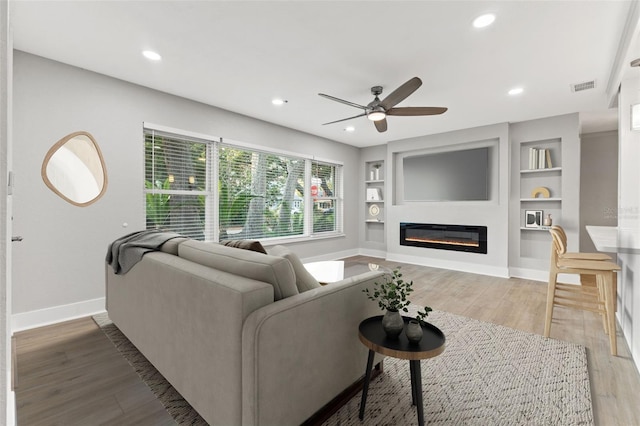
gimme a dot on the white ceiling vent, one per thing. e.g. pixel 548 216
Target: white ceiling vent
pixel 579 87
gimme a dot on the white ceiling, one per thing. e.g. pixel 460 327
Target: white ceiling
pixel 238 55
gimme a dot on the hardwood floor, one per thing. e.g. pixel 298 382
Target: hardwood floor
pixel 71 374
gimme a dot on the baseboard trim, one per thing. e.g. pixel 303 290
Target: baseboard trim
pixel 41 317
pixel 543 276
pixel 473 268
pixel 331 256
pixel 382 254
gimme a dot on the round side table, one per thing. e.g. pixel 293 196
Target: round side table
pixel 373 337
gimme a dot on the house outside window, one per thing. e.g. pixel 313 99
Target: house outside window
pixel 211 190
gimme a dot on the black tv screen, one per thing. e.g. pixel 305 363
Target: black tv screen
pixel 447 176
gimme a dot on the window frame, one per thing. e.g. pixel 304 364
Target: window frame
pixel 212 196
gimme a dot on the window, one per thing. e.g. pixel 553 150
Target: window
pixel 177 188
pixel 211 191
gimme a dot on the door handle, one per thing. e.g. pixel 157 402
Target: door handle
pixel 16 239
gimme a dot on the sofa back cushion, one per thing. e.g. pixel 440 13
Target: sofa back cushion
pixel 274 270
pixel 245 244
pixel 304 280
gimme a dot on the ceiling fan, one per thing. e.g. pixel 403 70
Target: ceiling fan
pixel 377 110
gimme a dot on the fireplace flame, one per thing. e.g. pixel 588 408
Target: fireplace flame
pixel 466 243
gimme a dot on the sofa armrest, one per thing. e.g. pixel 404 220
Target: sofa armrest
pixel 301 352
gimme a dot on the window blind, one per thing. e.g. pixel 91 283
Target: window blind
pixel 212 191
pixel 177 184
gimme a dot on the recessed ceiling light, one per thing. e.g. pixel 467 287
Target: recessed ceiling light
pixel 484 20
pixel 278 101
pixel 516 91
pixel 349 129
pixel 151 55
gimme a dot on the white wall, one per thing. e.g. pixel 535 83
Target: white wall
pixel 493 214
pixel 59 267
pixel 629 218
pixel 7 396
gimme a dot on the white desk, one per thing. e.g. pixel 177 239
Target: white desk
pixel 615 240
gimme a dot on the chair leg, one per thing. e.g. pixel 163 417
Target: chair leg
pixel 551 292
pixel 601 298
pixel 610 302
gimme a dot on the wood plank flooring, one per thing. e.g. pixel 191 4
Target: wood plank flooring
pixel 71 374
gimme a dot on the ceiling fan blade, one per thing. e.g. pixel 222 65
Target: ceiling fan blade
pixel 342 101
pixel 412 111
pixel 401 93
pixel 345 119
pixel 381 125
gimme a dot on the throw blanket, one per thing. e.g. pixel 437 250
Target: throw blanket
pixel 126 251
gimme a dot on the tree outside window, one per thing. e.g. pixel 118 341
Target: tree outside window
pixel 259 194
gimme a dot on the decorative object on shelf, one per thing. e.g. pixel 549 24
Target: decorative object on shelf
pixel 392 324
pixel 414 331
pixel 376 169
pixel 547 220
pixel 372 175
pixel 541 190
pixel 373 194
pixel 533 218
pixel 392 296
pixel 374 210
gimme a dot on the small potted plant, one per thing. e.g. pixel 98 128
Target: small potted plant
pixel 392 296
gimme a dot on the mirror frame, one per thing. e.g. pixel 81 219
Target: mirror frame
pixel 54 149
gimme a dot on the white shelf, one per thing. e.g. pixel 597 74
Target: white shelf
pixel 374 221
pixel 374 201
pixel 544 200
pixel 541 228
pixel 551 169
pixel 374 181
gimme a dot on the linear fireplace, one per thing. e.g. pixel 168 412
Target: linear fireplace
pixel 444 237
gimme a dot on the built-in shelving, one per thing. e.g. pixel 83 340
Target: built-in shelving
pixel 542 200
pixel 374 201
pixel 547 170
pixel 534 179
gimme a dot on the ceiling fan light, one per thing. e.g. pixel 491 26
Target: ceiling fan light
pixel 376 116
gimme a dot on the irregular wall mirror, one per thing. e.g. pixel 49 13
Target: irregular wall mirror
pixel 74 169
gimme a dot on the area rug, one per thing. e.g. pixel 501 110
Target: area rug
pixel 487 375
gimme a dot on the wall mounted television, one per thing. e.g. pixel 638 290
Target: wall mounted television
pixel 461 175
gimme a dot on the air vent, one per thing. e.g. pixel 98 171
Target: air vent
pixel 579 87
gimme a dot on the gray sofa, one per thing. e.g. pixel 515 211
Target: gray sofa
pixel 231 331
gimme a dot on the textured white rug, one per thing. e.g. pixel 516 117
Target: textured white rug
pixel 487 375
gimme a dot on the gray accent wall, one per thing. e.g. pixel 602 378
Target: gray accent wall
pixel 494 213
pixel 598 183
pixel 59 267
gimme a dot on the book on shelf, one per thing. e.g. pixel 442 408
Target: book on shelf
pixel 539 158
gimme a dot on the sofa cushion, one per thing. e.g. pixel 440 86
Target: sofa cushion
pixel 304 280
pixel 274 270
pixel 245 244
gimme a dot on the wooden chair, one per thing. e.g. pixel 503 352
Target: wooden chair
pixel 586 280
pixel 600 299
pixel 564 254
